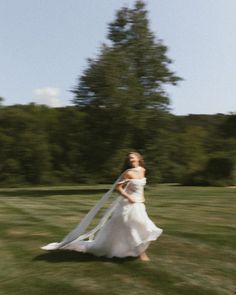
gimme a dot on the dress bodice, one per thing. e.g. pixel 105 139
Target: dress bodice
pixel 135 187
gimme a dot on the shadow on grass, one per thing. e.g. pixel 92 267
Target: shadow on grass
pixel 58 256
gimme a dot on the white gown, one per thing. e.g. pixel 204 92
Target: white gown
pixel 128 232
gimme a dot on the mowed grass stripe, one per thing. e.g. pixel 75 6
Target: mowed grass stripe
pixel 46 212
pixel 60 218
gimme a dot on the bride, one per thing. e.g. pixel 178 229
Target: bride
pixel 125 228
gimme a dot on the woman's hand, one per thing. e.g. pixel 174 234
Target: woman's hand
pixel 131 199
pixel 120 189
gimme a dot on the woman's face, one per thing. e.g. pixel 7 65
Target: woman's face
pixel 133 159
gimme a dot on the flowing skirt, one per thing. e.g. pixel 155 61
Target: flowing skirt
pixel 128 232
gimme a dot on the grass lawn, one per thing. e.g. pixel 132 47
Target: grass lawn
pixel 194 255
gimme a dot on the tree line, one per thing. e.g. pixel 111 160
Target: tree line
pixel 42 145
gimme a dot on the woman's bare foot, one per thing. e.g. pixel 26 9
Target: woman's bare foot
pixel 144 257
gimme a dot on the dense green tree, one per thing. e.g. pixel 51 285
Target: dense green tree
pixel 24 146
pixel 128 74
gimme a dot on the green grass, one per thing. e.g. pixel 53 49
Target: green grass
pixel 194 255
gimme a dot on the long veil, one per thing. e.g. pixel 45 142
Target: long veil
pixel 78 233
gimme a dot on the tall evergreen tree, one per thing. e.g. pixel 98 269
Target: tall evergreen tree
pixel 128 74
pixel 122 90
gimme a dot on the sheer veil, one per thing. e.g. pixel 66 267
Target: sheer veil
pixel 79 232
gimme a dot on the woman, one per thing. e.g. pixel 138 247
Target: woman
pixel 125 229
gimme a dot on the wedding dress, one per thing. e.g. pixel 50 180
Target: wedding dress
pixel 124 230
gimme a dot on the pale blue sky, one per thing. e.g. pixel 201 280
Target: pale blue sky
pixel 44 45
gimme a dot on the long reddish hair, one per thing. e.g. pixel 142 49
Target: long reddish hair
pixel 127 165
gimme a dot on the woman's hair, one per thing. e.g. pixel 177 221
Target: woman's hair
pixel 127 165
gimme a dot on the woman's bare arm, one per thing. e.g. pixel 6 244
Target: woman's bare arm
pixel 120 189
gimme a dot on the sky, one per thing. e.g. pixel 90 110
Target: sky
pixel 45 44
